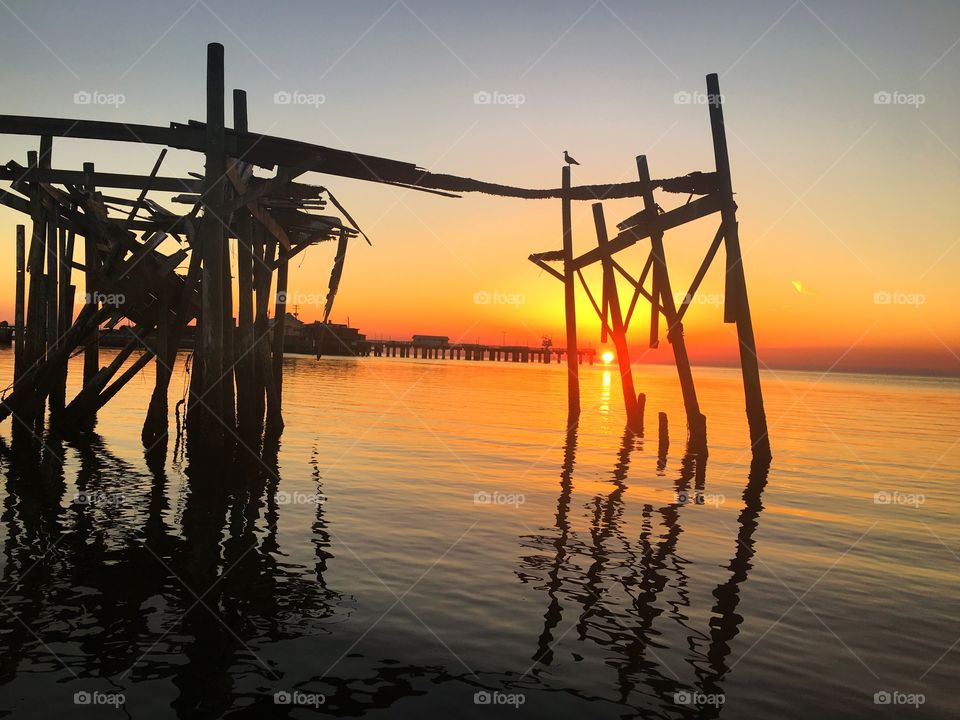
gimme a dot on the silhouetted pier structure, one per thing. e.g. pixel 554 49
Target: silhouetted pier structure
pixel 161 269
pixel 714 194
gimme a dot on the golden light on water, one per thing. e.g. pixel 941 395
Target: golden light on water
pixel 607 357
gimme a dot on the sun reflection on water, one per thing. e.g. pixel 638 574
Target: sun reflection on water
pixel 606 381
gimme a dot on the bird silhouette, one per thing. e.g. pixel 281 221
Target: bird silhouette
pixel 569 160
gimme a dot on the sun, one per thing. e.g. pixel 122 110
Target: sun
pixel 606 357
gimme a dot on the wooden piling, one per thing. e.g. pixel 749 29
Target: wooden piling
pixel 211 326
pixel 617 330
pixel 245 369
pixel 18 316
pixel 91 262
pixel 172 325
pixel 34 344
pixel 736 306
pixel 65 299
pixel 274 423
pixel 52 247
pixel 663 435
pixel 570 302
pixel 663 298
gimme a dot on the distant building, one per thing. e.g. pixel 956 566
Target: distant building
pixel 431 340
pixel 320 339
pixel 335 339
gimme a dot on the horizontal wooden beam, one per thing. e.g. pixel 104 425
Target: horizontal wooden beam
pixel 268 152
pixel 538 260
pixel 653 224
pixel 14 172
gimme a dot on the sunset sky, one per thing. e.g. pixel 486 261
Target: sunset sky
pixel 845 201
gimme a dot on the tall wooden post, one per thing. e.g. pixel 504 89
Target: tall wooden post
pixel 53 242
pixel 612 304
pixel 91 261
pixel 736 306
pixel 18 323
pixel 274 405
pixel 213 238
pixel 663 297
pixel 172 322
pixel 570 303
pixel 65 243
pixel 34 344
pixel 266 388
pixel 244 353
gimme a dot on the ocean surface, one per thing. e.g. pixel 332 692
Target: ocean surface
pixel 431 541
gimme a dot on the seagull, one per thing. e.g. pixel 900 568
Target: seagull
pixel 569 160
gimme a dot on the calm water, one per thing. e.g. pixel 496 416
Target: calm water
pixel 436 533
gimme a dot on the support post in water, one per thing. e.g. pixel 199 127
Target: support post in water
pixel 663 301
pixel 612 304
pixel 274 403
pixel 91 264
pixel 211 409
pixel 18 323
pixel 663 435
pixel 245 358
pixel 570 304
pixel 736 307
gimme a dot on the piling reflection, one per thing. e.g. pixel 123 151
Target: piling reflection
pixel 619 591
pixel 119 576
pixel 119 581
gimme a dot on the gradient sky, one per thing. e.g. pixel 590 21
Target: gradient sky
pixel 839 196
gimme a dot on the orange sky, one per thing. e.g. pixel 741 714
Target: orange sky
pixel 849 200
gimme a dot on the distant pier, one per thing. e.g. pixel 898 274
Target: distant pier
pixel 472 351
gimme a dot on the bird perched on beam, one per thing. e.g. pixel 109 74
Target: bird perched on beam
pixel 569 160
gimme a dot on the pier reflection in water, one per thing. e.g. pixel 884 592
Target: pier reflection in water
pixel 354 561
pixel 122 585
pixel 615 586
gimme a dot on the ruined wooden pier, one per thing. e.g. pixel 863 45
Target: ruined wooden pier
pixel 159 269
pixel 715 195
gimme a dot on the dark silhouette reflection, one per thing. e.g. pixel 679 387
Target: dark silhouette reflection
pixel 133 577
pixel 544 653
pixel 622 595
pixel 172 586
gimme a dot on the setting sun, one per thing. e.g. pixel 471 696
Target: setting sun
pixel 607 357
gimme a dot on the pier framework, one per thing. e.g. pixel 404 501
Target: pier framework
pixel 155 270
